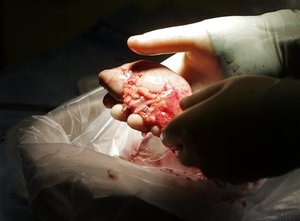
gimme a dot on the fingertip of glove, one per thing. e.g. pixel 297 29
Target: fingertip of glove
pixel 133 40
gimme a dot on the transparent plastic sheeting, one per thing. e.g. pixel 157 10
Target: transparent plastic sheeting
pixel 79 144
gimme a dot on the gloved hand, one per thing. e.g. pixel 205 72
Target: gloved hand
pixel 227 46
pixel 208 51
pixel 229 132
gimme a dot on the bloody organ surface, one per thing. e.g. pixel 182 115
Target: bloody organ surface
pixel 155 107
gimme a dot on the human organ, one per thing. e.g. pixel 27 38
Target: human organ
pixel 148 89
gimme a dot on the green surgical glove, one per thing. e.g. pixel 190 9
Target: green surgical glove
pixel 239 129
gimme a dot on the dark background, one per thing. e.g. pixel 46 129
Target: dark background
pixel 52 50
pixel 29 28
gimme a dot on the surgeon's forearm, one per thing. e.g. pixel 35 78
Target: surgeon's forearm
pixel 283 27
pixel 264 45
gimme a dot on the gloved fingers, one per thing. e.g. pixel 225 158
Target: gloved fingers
pixel 183 64
pixel 172 133
pixel 179 136
pixel 194 59
pixel 195 108
pixel 233 91
pixel 135 121
pixel 113 80
pixel 170 40
pixel 198 69
pixel 118 112
pixel 202 95
pixel 175 63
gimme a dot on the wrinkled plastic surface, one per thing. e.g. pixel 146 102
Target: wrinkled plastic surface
pixel 77 154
